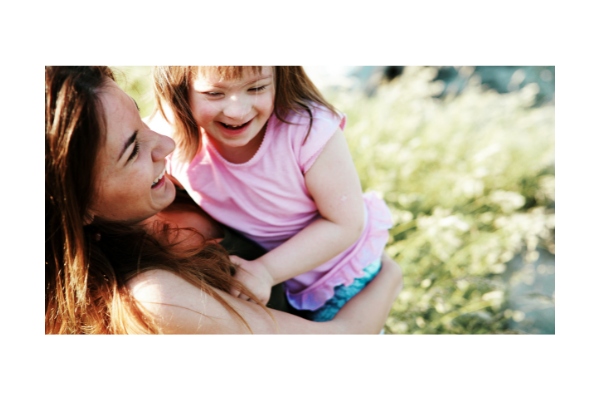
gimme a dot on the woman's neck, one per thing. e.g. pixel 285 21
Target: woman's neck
pixel 184 213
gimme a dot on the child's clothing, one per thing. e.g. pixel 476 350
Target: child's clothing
pixel 267 200
pixel 342 294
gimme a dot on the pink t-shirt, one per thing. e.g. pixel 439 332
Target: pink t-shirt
pixel 267 200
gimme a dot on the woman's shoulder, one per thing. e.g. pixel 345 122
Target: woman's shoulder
pixel 155 286
pixel 177 306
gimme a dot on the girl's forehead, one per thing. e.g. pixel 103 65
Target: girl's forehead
pixel 231 74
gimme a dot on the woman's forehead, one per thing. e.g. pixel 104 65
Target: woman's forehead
pixel 120 115
pixel 114 99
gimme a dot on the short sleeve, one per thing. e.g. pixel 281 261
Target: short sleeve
pixel 325 124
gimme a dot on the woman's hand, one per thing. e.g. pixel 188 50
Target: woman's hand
pixel 255 276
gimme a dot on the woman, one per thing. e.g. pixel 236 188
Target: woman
pixel 113 264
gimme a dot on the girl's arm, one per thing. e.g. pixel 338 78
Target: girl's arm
pixel 185 309
pixel 335 187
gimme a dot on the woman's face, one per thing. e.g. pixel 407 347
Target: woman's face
pixel 233 112
pixel 131 184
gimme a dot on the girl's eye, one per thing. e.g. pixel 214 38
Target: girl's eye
pixel 135 151
pixel 212 94
pixel 258 89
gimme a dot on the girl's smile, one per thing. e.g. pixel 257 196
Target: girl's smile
pixel 233 113
pixel 235 129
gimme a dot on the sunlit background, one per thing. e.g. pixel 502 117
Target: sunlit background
pixel 464 157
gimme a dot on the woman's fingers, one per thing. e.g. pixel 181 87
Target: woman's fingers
pixel 264 299
pixel 243 297
pixel 236 292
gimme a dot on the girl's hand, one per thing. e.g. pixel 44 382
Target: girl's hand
pixel 255 276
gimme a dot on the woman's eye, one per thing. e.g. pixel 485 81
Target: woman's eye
pixel 135 151
pixel 258 89
pixel 212 94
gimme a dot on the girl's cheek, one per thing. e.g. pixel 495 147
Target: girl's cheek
pixel 269 102
pixel 203 116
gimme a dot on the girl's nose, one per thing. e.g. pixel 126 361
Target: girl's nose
pixel 164 146
pixel 237 108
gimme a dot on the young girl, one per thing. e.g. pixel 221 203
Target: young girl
pixel 261 151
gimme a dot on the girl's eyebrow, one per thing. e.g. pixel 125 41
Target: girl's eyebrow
pixel 219 85
pixel 128 143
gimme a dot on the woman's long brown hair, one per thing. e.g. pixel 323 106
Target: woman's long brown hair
pixel 294 92
pixel 85 286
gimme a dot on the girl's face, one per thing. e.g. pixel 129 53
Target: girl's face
pixel 130 169
pixel 233 113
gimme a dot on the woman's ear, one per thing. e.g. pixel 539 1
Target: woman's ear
pixel 88 218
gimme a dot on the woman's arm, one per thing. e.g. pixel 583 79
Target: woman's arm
pixel 181 308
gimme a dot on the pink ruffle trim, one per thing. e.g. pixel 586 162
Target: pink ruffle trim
pixel 367 250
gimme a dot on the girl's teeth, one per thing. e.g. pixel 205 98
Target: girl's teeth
pixel 234 126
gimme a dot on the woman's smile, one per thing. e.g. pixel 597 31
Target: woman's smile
pixel 128 163
pixel 158 182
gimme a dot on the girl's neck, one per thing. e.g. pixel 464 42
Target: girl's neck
pixel 242 154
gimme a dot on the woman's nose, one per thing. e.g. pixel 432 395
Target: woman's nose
pixel 163 147
pixel 237 108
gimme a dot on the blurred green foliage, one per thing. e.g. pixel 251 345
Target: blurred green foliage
pixel 469 179
pixel 137 82
pixel 470 183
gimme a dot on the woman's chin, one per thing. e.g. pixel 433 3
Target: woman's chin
pixel 165 195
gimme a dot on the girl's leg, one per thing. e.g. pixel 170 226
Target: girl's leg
pixel 342 295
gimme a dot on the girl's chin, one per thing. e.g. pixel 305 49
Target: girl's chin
pixel 222 140
pixel 233 143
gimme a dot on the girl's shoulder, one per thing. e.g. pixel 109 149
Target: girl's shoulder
pixel 318 113
pixel 309 132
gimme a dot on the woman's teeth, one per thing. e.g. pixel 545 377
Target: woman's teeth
pixel 159 178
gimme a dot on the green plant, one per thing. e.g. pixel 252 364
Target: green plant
pixel 137 82
pixel 470 183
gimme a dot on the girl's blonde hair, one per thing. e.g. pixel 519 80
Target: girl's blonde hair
pixel 85 285
pixel 294 91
